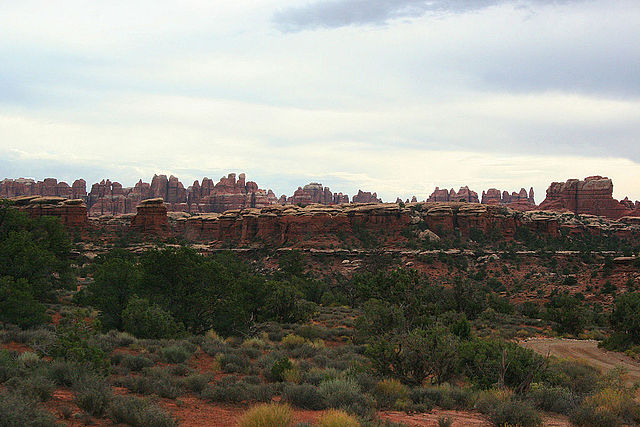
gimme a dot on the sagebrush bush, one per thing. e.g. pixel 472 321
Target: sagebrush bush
pixel 552 399
pixel 345 394
pixel 196 382
pixel 304 396
pixel 513 412
pixel 35 387
pixel 93 395
pixel 268 415
pixel 389 391
pixel 175 353
pixel 17 410
pixel 134 362
pixel 157 382
pixel 443 396
pixel 28 360
pixel 63 373
pixel 337 418
pixel 138 412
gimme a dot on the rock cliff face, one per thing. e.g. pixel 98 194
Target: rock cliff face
pixel 316 193
pixel 151 217
pixel 366 197
pixel 327 226
pixel 72 212
pixel 228 193
pixel 593 195
pixel 463 195
pixel 521 201
pixel 28 187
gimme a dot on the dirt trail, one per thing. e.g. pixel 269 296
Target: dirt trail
pixel 588 351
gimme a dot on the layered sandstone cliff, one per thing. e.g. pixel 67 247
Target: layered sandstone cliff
pixel 72 212
pixel 462 195
pixel 151 217
pixel 593 196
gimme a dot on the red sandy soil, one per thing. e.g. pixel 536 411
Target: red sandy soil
pixel 192 411
pixel 62 399
pixel 17 347
pixel 204 363
pixel 458 418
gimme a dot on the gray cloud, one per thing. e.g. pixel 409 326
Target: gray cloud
pixel 340 13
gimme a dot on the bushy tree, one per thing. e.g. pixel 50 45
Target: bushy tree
pixel 625 322
pixel 34 249
pixel 18 305
pixel 568 312
pixel 146 320
pixel 415 356
pixel 490 363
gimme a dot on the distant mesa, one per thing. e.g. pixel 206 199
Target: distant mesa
pixel 593 195
pixel 111 198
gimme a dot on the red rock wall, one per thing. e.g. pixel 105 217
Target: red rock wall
pixel 593 195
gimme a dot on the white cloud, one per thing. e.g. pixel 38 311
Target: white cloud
pixel 502 97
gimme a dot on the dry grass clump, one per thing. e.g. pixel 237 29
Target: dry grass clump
pixel 267 415
pixel 337 418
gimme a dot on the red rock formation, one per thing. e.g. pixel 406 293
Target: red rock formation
pixel 72 212
pixel 366 197
pixel 463 195
pixel 521 201
pixel 79 189
pixel 592 196
pixel 315 193
pixel 151 217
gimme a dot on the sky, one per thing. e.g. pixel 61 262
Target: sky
pixel 393 96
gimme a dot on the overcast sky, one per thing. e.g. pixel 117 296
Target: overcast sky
pixel 393 96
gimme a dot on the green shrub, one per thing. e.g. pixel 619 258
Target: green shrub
pixel 226 390
pixel 304 396
pixel 175 353
pixel 93 395
pixel 552 399
pixel 28 360
pixel 444 396
pixel 279 367
pixel 135 363
pixel 577 376
pixel 146 320
pixel 196 383
pixel 33 387
pixel 18 304
pixel 514 412
pixel 592 417
pixel 73 343
pixel 138 412
pixel 156 383
pixel 17 410
pixel 345 394
pixel 267 415
pixel 390 391
pixel 64 373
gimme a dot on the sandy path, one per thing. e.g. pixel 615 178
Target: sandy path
pixel 588 351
